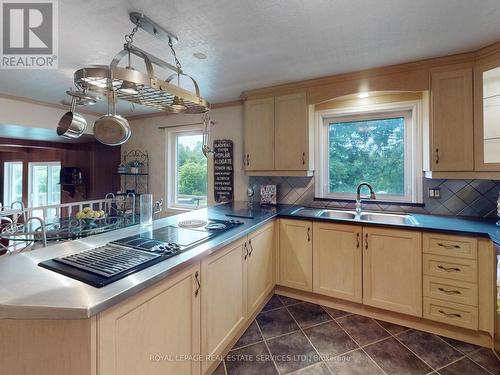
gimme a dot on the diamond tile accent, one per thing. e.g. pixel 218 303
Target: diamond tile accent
pixel 474 198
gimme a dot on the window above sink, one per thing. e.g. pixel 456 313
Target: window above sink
pixel 378 143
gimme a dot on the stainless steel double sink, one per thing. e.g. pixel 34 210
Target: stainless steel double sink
pixel 374 217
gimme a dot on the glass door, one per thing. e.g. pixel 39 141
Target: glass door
pixel 12 182
pixel 44 188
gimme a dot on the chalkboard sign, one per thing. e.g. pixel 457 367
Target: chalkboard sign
pixel 223 170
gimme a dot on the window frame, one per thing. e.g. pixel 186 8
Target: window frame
pixel 31 166
pixel 7 184
pixel 171 161
pixel 410 110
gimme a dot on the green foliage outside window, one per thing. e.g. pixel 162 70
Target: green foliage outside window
pixel 371 151
pixel 192 170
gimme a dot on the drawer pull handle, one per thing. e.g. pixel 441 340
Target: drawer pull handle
pixel 449 269
pixel 246 251
pixel 198 284
pixel 449 246
pixel 448 315
pixel 449 291
pixel 251 248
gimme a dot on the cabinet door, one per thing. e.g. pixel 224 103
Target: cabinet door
pixel 392 270
pixel 452 143
pixel 337 261
pixel 152 332
pixel 259 135
pixel 291 132
pixel 223 300
pixel 260 266
pixel 295 254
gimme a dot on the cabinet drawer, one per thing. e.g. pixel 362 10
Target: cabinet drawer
pixel 451 313
pixel 450 290
pixel 450 268
pixel 455 246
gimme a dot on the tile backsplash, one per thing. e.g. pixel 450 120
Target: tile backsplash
pixel 476 198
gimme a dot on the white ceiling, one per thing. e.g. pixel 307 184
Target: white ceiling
pixel 257 43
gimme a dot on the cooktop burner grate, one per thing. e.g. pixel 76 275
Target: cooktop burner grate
pixel 107 261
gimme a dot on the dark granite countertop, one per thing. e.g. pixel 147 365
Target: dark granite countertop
pixel 30 292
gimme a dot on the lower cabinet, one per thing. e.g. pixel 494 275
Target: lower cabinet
pixel 392 270
pixel 295 254
pixel 153 332
pixel 260 266
pixel 337 261
pixel 223 299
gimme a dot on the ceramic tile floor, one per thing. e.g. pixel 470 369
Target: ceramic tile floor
pixel 294 337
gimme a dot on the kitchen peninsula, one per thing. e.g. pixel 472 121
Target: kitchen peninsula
pixel 43 311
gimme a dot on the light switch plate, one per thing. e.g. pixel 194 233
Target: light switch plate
pixel 435 193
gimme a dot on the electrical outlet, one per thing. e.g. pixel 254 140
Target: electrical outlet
pixel 435 193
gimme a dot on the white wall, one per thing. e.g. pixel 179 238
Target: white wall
pixel 147 136
pixel 33 115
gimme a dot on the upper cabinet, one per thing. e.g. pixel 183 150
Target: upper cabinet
pixel 259 135
pixel 452 145
pixel 487 113
pixel 278 136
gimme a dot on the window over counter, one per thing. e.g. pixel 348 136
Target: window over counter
pixel 13 182
pixel 378 144
pixel 187 169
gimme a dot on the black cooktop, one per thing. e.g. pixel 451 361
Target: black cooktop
pixel 106 264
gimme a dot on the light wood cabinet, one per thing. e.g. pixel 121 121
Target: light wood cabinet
pixel 260 266
pixel 278 136
pixel 337 261
pixel 291 132
pixel 223 299
pixel 295 254
pixel 259 135
pixel 452 143
pixel 392 270
pixel 153 332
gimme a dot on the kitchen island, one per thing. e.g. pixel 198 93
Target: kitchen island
pixel 178 316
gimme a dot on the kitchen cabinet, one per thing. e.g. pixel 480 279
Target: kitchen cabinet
pixel 153 331
pixel 278 136
pixel 295 254
pixel 487 113
pixel 451 138
pixel 223 299
pixel 291 132
pixel 337 260
pixel 259 135
pixel 392 270
pixel 260 266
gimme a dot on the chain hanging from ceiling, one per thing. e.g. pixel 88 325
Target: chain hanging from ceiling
pixel 144 88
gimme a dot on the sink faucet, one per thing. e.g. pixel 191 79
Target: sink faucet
pixel 358 195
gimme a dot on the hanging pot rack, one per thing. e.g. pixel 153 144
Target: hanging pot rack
pixel 144 88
